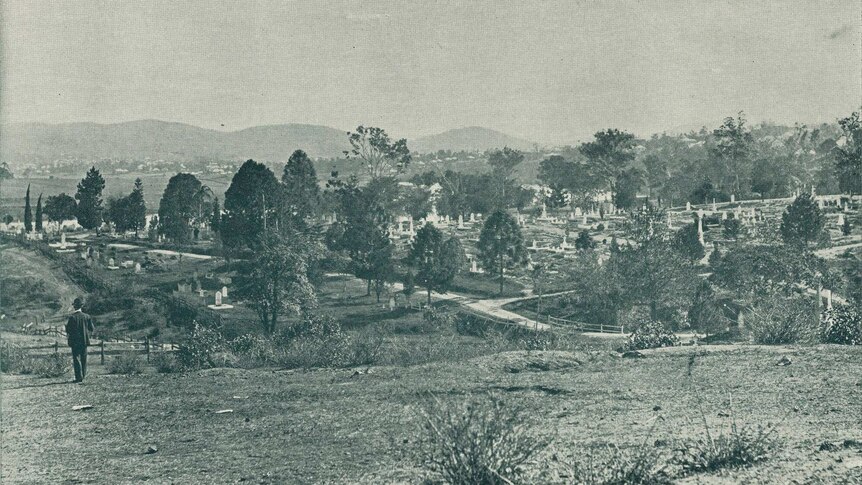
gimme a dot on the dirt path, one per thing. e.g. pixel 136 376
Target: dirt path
pixel 20 262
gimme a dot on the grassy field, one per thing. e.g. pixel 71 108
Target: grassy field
pixel 337 426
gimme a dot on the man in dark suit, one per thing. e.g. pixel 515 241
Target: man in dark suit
pixel 78 330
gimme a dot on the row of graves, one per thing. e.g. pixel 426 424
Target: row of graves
pixel 209 291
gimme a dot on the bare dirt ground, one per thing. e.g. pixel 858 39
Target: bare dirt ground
pixel 336 426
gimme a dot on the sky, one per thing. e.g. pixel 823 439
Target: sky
pixel 551 72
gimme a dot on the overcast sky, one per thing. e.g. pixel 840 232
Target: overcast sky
pixel 553 72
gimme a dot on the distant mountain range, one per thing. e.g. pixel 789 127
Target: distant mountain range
pixel 41 142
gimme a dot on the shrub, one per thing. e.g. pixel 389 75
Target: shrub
pixel 127 363
pixel 842 325
pixel 650 335
pixel 201 348
pixel 316 342
pixel 438 318
pixel 50 366
pixel 480 441
pixel 165 362
pixel 777 320
pixel 643 464
pixel 732 228
pixel 734 449
pixel 14 359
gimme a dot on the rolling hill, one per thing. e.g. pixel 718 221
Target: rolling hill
pixel 472 138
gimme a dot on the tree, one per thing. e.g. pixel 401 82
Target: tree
pixel 687 243
pixel 5 174
pixel 760 270
pixel 39 214
pixel 252 204
pixel 539 275
pixel 657 173
pixel 203 198
pixel 846 228
pixel 609 155
pixel 650 269
pixel 501 244
pixel 117 213
pixel 503 163
pixel 137 208
pixel 89 197
pixel 380 156
pixel 732 227
pixel 770 177
pixel 409 285
pixel 627 188
pixel 437 260
pixel 59 208
pixel 215 219
pixel 28 212
pixel 802 221
pixel 733 150
pixel 276 280
pixel 584 241
pixel 178 207
pixel 301 192
pixel 848 158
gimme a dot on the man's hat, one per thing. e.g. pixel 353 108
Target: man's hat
pixel 78 303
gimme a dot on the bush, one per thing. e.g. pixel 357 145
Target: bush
pixel 14 359
pixel 165 362
pixel 650 335
pixel 49 366
pixel 481 441
pixel 738 448
pixel 842 325
pixel 777 320
pixel 316 342
pixel 643 464
pixel 201 348
pixel 127 363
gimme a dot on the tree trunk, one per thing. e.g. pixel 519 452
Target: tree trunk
pixel 368 287
pixel 501 273
pixel 653 310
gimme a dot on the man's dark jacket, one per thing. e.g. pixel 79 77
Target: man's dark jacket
pixel 78 329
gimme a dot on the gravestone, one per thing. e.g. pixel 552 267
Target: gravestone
pixel 460 221
pixel 840 220
pixel 224 291
pixel 137 268
pixel 111 262
pixel 732 198
pixel 688 206
pixel 218 298
pixel 391 303
pixel 472 217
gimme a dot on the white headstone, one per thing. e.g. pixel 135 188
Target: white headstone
pixel 840 220
pixel 218 298
pixel 63 239
pixel 584 220
pixel 534 244
pixel 732 198
pixel 688 206
pixel 460 221
pixel 577 211
pixel 473 267
pixel 224 291
pixel 202 293
pixel 714 207
pixel 411 227
pixel 472 217
pixel 137 267
pixel 111 262
pixel 700 228
pixel 723 216
pixel 391 303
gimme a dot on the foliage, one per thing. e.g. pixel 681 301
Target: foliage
pixel 201 348
pixel 503 163
pixel 252 204
pixel 165 362
pixel 650 334
pixel 437 260
pixel 760 270
pixel 802 222
pixel 409 284
pixel 126 363
pixel 379 155
pixel 707 312
pixel 735 448
pixel 584 241
pixel 14 359
pixel 129 212
pixel 846 228
pixel 276 279
pixel 51 366
pixel 779 320
pixel 178 207
pixel 609 155
pixel 842 325
pixel 628 184
pixel 38 225
pixel 301 192
pixel 612 465
pixel 732 149
pixel 28 212
pixel 848 158
pixel 732 227
pixel 687 243
pixel 89 197
pixel 501 244
pixel 714 257
pixel 480 441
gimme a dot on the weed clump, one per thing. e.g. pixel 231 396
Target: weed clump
pixel 611 465
pixel 126 363
pixel 650 335
pixel 480 441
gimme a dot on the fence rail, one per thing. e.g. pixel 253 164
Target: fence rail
pixel 585 327
pixel 102 347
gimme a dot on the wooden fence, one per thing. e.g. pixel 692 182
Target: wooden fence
pixel 102 347
pixel 585 327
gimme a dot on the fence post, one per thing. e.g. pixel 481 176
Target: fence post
pixel 601 328
pixel 102 351
pixel 147 348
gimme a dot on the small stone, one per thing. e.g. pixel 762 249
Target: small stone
pixel 152 449
pixel 633 354
pixel 656 408
pixel 784 361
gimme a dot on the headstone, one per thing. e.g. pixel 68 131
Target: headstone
pixel 472 217
pixel 577 211
pixel 714 207
pixel 732 198
pixel 111 262
pixel 473 267
pixel 723 216
pixel 83 254
pixel 840 220
pixel 137 267
pixel 391 303
pixel 669 221
pixel 584 220
pixel 63 239
pixel 700 228
pixel 202 293
pixel 688 206
pixel 460 221
pixel 224 291
pixel 218 298
pixel 411 227
pixel 534 244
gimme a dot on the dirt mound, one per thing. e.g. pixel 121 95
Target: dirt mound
pixel 522 361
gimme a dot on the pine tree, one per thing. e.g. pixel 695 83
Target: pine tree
pixel 39 214
pixel 137 207
pixel 89 197
pixel 28 213
pixel 802 222
pixel 501 244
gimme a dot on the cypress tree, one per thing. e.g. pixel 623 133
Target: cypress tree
pixel 39 214
pixel 28 213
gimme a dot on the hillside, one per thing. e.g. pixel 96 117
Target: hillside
pixel 40 142
pixel 473 138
